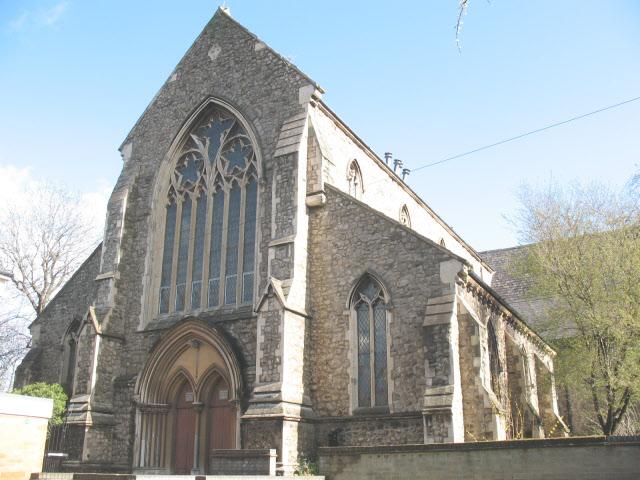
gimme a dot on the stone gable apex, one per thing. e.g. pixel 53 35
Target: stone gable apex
pixel 203 41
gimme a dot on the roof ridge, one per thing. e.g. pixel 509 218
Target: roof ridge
pixel 516 247
pixel 227 14
pixel 220 13
pixel 395 222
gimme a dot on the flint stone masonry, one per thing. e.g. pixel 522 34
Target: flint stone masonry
pixel 289 357
pixel 44 361
pixel 383 189
pixel 362 240
pixel 397 429
pixel 242 462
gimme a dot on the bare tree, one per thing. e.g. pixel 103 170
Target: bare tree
pixel 462 9
pixel 44 241
pixel 44 237
pixel 13 344
pixel 585 257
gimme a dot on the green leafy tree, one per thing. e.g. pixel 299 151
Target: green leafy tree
pixel 584 258
pixel 46 390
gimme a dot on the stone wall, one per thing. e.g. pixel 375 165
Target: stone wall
pixel 295 351
pixel 228 63
pixel 383 190
pixel 347 239
pixel 242 462
pixel 366 430
pixel 45 360
pixel 587 458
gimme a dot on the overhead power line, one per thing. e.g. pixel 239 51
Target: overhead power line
pixel 517 137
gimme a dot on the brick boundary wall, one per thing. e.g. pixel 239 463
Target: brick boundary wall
pixel 128 476
pixel 583 458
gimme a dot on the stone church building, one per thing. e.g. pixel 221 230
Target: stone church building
pixel 266 281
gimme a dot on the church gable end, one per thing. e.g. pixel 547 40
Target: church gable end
pixel 266 282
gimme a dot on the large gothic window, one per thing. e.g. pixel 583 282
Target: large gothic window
pixel 210 218
pixel 369 306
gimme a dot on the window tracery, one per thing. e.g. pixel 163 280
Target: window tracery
pixel 370 310
pixel 210 219
pixel 405 219
pixel 354 178
pixel 70 349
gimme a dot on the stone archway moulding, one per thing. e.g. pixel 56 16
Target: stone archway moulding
pixel 153 385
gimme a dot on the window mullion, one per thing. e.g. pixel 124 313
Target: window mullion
pixel 240 275
pixel 174 259
pixel 223 248
pixel 372 342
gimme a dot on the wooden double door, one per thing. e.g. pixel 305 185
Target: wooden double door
pixel 211 422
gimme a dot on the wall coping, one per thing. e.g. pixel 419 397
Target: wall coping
pixel 489 445
pixel 25 406
pixel 240 453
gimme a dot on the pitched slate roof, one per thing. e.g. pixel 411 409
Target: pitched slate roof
pixel 514 289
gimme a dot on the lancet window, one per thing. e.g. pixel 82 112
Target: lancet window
pixel 405 219
pixel 354 177
pixel 208 255
pixel 369 307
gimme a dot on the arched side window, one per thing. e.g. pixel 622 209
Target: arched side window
pixel 404 218
pixel 495 368
pixel 210 220
pixel 369 307
pixel 354 177
pixel 69 355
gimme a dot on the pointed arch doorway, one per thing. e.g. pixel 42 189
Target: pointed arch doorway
pixel 221 415
pixel 185 431
pixel 188 402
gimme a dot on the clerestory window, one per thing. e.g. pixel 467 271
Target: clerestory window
pixel 354 178
pixel 404 217
pixel 369 306
pixel 210 220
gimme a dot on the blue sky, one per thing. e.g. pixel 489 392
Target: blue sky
pixel 75 75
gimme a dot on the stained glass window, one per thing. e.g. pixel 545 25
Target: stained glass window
pixel 233 231
pixel 364 356
pixel 370 309
pixel 216 249
pixel 167 257
pixel 183 254
pixel 380 349
pixel 198 252
pixel 212 188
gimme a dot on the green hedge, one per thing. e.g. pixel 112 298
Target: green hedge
pixel 46 390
